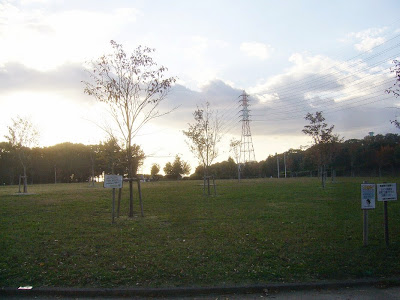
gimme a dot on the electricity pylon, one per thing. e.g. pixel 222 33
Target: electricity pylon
pixel 246 142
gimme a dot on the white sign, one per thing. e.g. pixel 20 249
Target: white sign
pixel 387 192
pixel 113 181
pixel 367 196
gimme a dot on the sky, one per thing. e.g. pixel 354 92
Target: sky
pixel 291 57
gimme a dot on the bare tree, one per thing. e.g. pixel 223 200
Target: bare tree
pixel 204 135
pixel 395 89
pixel 133 87
pixel 22 134
pixel 323 138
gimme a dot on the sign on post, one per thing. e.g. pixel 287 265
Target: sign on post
pixel 113 181
pixel 367 196
pixel 367 202
pixel 387 192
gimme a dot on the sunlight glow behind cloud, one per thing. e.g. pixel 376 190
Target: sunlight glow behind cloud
pixel 45 40
pixel 259 50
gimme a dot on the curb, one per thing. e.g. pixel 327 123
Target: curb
pixel 194 291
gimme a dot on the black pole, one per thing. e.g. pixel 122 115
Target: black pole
pixel 113 206
pixel 385 209
pixel 365 227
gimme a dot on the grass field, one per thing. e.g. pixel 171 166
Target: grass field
pixel 266 230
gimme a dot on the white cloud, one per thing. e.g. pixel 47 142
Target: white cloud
pixel 367 39
pixel 201 59
pixel 368 43
pixel 269 97
pixel 342 90
pixel 259 50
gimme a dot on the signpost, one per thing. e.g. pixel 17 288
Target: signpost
pixel 367 196
pixel 367 202
pixel 386 192
pixel 114 182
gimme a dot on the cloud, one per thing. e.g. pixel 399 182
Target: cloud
pixel 222 97
pixel 259 50
pixel 367 39
pixel 199 59
pixel 344 91
pixel 64 80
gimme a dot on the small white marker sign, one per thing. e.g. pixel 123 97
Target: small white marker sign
pixel 113 181
pixel 367 196
pixel 387 191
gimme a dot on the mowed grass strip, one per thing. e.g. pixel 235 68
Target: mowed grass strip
pixel 264 230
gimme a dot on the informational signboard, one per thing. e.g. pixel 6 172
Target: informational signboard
pixel 113 181
pixel 387 191
pixel 367 196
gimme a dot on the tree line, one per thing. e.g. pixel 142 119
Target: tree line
pixel 67 162
pixel 371 156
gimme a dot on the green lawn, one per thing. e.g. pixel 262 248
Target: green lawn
pixel 258 231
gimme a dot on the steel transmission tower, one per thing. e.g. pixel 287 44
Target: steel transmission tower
pixel 246 143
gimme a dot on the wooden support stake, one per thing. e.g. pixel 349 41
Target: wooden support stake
pixel 215 190
pixel 19 184
pixel 130 198
pixel 140 198
pixel 119 201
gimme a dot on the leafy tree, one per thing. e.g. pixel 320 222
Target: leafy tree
pixel 8 163
pixel 251 169
pixel 133 86
pixel 177 168
pixel 22 134
pixel 352 147
pixel 225 169
pixel 155 169
pixel 293 161
pixel 137 158
pixel 111 157
pixel 385 157
pixel 323 138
